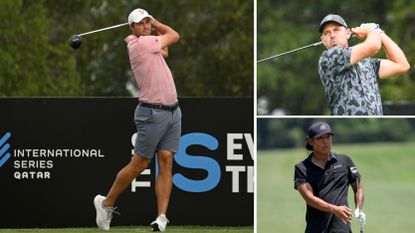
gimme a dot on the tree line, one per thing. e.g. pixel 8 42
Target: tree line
pixel 291 132
pixel 213 58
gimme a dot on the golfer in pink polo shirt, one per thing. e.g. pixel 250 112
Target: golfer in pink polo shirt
pixel 157 116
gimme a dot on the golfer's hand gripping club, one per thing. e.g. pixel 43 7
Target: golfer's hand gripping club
pixel 358 213
pixel 373 26
pixel 360 216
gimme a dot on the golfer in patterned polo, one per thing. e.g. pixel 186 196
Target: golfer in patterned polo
pixel 349 75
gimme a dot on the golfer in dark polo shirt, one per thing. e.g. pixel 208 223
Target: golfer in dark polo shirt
pixel 323 179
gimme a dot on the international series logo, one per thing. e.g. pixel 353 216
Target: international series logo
pixel 4 147
pixel 38 163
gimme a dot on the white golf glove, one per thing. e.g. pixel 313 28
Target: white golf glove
pixel 374 26
pixel 361 217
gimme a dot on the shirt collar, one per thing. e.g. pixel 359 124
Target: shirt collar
pixel 332 156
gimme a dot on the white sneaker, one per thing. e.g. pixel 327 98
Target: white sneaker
pixel 104 214
pixel 160 223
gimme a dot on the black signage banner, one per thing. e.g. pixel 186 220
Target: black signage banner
pixel 56 154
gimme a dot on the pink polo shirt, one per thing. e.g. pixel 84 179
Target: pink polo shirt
pixel 153 76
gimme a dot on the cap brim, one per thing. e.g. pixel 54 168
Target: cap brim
pixel 322 133
pixel 137 21
pixel 329 21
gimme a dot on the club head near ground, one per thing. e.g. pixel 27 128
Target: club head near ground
pixel 75 41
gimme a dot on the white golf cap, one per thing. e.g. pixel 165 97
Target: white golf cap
pixel 137 15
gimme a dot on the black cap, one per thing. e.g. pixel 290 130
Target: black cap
pixel 332 18
pixel 318 129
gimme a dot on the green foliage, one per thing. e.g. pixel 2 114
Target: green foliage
pixel 217 45
pixel 213 58
pixel 290 132
pixel 29 63
pixel 292 82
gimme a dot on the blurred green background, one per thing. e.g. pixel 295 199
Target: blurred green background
pixel 291 84
pixel 387 167
pixel 213 58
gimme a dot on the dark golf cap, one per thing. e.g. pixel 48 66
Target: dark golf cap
pixel 332 18
pixel 318 129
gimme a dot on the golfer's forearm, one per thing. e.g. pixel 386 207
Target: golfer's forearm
pixel 373 43
pixel 320 204
pixel 169 36
pixel 162 28
pixel 393 52
pixel 369 47
pixel 359 198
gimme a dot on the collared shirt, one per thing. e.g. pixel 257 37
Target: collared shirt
pixel 330 184
pixel 350 89
pixel 153 76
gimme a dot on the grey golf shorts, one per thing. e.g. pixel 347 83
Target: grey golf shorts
pixel 157 129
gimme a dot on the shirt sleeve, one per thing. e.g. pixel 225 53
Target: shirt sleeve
pixel 150 44
pixel 376 66
pixel 299 175
pixel 353 171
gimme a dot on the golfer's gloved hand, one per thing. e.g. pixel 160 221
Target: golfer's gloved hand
pixel 360 216
pixel 374 26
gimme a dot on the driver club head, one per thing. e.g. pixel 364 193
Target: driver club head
pixel 75 41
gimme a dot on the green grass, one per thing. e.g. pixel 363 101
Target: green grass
pixel 388 175
pixel 177 229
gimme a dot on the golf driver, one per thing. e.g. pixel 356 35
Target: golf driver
pixel 76 40
pixel 291 51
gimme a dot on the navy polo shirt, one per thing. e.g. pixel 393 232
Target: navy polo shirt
pixel 330 184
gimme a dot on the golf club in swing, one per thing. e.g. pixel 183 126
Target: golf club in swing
pixel 76 40
pixel 291 51
pixel 374 26
pixel 359 197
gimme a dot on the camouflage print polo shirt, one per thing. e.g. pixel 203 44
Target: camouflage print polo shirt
pixel 350 89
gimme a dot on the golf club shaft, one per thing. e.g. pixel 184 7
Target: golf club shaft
pixel 291 51
pixel 359 198
pixel 103 29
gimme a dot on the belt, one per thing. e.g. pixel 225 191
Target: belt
pixel 160 106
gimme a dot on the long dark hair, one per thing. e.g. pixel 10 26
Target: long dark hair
pixel 307 145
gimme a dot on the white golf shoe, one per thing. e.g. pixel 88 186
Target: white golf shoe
pixel 160 223
pixel 104 214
